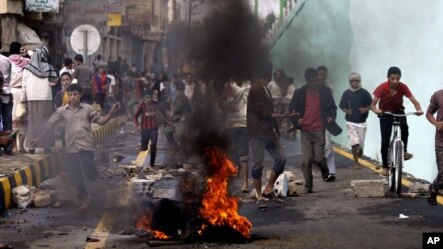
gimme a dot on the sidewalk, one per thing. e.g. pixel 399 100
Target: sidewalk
pixel 32 169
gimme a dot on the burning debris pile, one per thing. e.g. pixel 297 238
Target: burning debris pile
pixel 217 208
pixel 206 210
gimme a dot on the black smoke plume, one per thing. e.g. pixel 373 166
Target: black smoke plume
pixel 229 43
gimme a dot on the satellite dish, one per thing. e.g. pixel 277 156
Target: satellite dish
pixel 85 39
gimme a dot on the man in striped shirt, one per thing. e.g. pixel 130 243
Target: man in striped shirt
pixel 147 112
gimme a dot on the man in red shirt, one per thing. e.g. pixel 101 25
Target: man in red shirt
pixel 316 108
pixel 148 126
pixel 390 94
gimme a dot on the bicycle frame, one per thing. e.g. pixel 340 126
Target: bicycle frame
pixel 396 151
pixel 396 145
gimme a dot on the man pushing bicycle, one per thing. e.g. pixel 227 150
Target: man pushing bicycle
pixel 390 94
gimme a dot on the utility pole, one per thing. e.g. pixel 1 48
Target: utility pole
pixel 256 8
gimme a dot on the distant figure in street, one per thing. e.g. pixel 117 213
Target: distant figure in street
pixel 390 94
pixel 38 96
pixel 77 118
pixel 101 86
pixel 84 77
pixel 99 62
pixel 148 126
pixel 356 102
pixel 62 98
pixel 436 106
pixel 263 135
pixel 67 67
pixel 18 65
pixel 316 108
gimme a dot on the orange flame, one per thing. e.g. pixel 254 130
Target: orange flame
pixel 145 224
pixel 217 208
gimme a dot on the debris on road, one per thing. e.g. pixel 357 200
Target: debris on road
pixel 22 196
pixel 92 239
pixel 117 158
pixel 42 198
pixel 402 216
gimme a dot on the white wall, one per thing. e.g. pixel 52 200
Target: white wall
pixel 406 34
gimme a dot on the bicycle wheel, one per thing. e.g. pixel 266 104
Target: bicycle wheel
pixel 398 169
pixel 392 182
pixel 391 177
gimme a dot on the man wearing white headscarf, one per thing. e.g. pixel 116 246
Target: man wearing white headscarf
pixel 356 102
pixel 38 96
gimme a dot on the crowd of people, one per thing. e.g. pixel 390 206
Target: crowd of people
pixel 37 100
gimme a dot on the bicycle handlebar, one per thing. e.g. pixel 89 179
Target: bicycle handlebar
pixel 400 115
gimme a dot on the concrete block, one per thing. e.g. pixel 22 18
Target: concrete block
pixel 419 188
pixel 141 187
pixel 165 194
pixel 368 188
pixel 135 183
pixel 42 198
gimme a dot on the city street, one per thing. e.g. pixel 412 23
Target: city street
pixel 331 217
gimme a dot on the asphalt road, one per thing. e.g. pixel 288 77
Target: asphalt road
pixel 328 218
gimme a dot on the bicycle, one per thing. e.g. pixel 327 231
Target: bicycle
pixel 395 155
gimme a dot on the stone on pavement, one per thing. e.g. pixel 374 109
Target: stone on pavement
pixel 368 188
pixel 165 194
pixel 42 198
pixel 420 188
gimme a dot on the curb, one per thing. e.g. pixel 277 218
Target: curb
pixel 405 182
pixel 47 166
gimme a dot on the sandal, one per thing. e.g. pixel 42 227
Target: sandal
pixel 432 196
pixel 269 195
pixel 384 173
pixel 261 204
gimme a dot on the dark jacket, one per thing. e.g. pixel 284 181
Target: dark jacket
pixel 259 114
pixel 354 100
pixel 327 103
